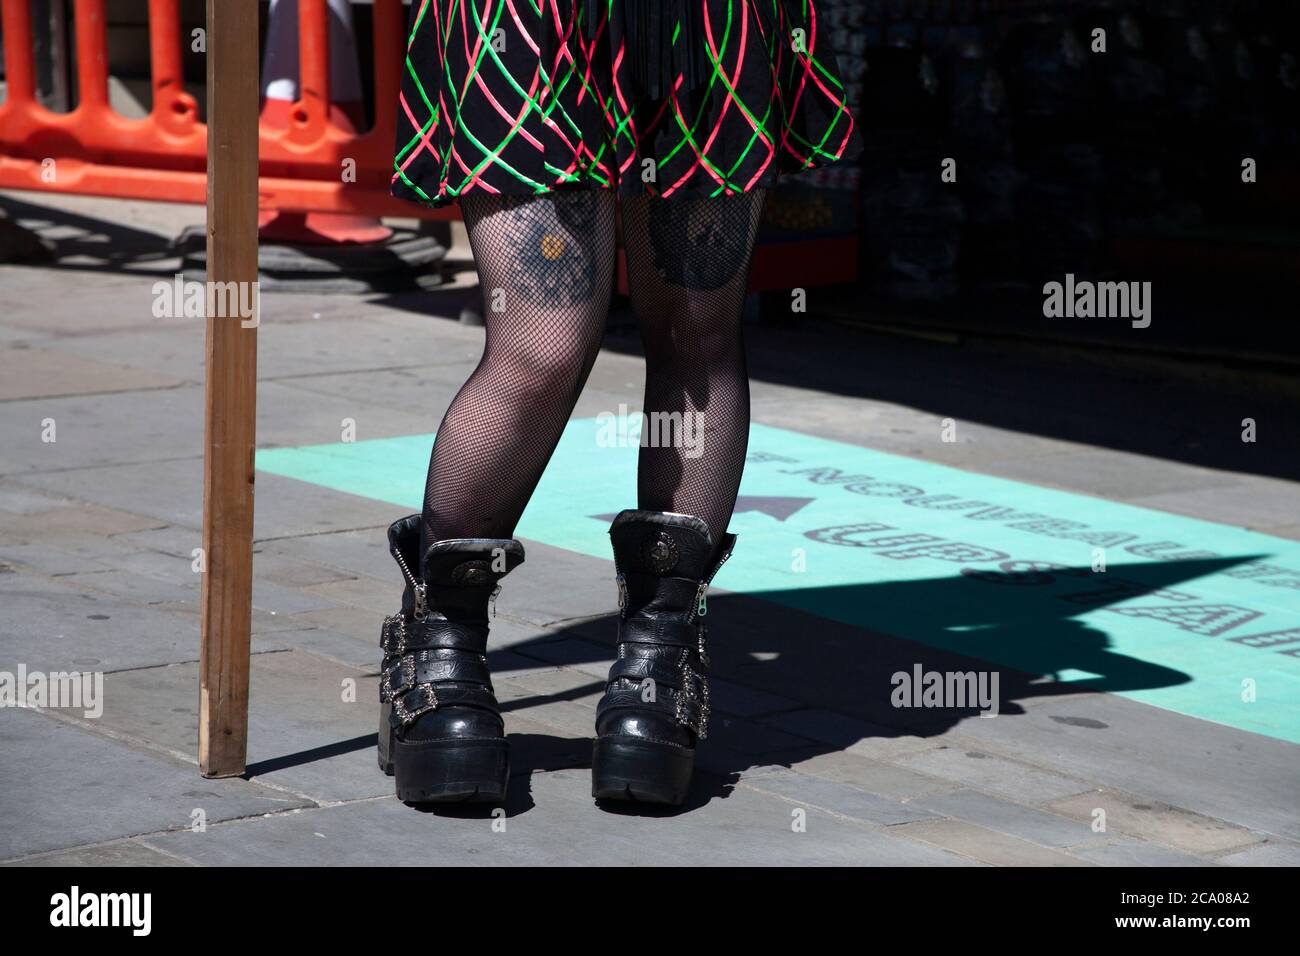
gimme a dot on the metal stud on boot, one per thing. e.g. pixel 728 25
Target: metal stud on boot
pixel 656 704
pixel 440 730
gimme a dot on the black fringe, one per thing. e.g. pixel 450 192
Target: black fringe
pixel 654 59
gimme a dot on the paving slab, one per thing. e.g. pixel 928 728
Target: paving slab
pixel 286 507
pixel 172 493
pixel 574 655
pixel 138 589
pixel 1114 475
pixel 902 430
pixel 1014 819
pixel 50 624
pixel 278 599
pixel 745 828
pixel 751 738
pixel 303 736
pixel 1289 531
pixel 361 552
pixel 323 642
pixel 41 374
pixel 561 683
pixel 1133 853
pixel 294 416
pixel 1254 783
pixel 293 573
pixel 285 348
pixel 178 569
pixel 987 846
pixel 358 624
pixel 729 697
pixel 1264 854
pixel 838 798
pixel 1247 502
pixel 872 776
pixel 108 305
pixel 852 735
pixel 175 541
pixel 568 717
pixel 169 492
pixel 124 853
pixel 1156 822
pixel 15 499
pixel 994 774
pixel 96 430
pixel 57 559
pixel 91 790
pixel 74 524
pixel 410 390
pixel 380 598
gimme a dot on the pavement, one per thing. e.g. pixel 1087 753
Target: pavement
pixel 913 505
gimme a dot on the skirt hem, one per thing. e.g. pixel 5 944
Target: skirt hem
pixel 442 199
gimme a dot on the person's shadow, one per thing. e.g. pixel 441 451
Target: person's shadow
pixel 784 657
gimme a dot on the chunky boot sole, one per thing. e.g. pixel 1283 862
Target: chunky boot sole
pixel 451 771
pixel 444 771
pixel 643 771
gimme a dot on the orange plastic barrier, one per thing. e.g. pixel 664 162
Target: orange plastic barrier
pixel 164 155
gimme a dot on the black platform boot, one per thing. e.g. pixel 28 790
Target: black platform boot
pixel 440 728
pixel 656 705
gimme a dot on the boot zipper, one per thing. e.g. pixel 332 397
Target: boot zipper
pixel 702 592
pixel 702 609
pixel 421 593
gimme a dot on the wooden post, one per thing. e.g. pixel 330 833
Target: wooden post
pixel 231 392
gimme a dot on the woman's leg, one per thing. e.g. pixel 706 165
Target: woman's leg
pixel 688 272
pixel 688 269
pixel 545 265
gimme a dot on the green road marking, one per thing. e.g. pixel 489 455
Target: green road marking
pixel 1191 616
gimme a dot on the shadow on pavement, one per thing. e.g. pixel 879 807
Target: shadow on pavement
pixel 774 663
pixel 761 644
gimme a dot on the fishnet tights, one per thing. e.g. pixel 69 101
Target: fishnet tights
pixel 546 267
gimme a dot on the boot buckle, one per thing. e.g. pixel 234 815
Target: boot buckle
pixel 702 648
pixel 392 639
pixel 693 707
pixel 407 714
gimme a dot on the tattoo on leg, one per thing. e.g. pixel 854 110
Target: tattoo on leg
pixel 578 209
pixel 687 261
pixel 554 263
pixel 697 246
pixel 538 347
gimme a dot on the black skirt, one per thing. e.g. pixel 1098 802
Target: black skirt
pixel 672 98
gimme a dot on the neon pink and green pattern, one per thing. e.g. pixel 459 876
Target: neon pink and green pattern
pixel 525 96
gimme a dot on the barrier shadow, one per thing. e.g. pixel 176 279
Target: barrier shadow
pixel 90 244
